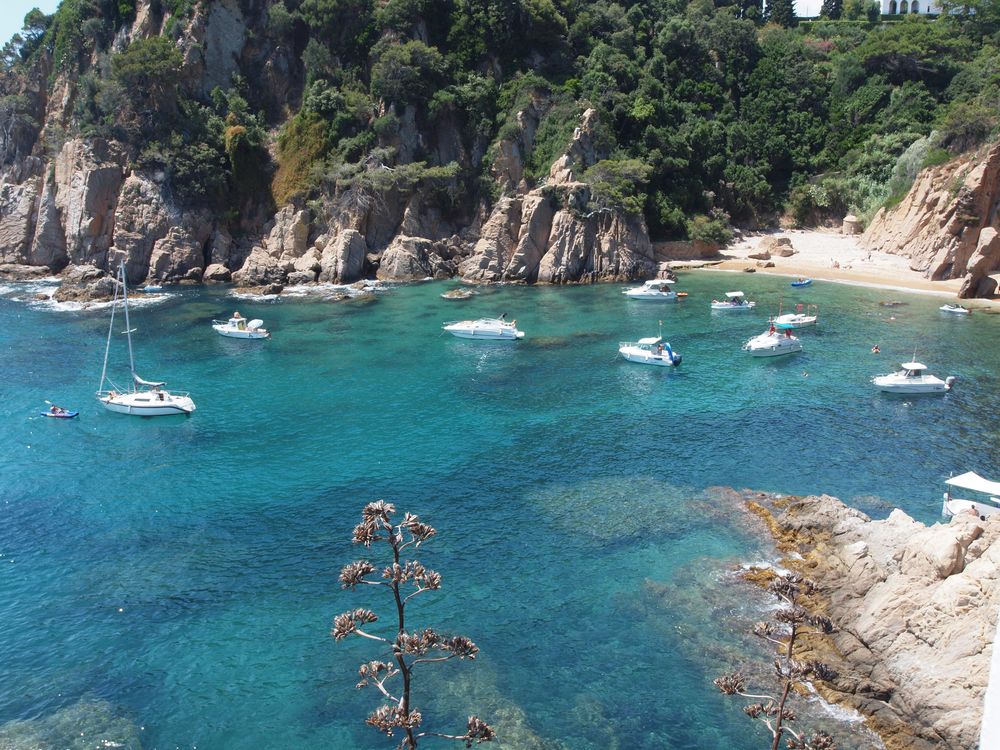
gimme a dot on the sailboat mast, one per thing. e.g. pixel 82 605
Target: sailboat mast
pixel 107 345
pixel 128 327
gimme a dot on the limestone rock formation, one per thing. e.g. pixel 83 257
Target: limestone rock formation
pixel 551 235
pixel 947 224
pixel 412 259
pixel 343 258
pixel 17 219
pixel 915 610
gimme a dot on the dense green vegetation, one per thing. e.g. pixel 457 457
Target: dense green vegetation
pixel 710 113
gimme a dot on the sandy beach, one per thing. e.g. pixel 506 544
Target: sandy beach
pixel 832 256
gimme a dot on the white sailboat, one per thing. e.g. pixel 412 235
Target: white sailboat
pixel 143 398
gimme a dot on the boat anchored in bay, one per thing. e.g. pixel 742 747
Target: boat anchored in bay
pixel 485 329
pixel 143 398
pixel 238 327
pixel 773 343
pixel 913 379
pixel 798 319
pixel 650 351
pixel 654 289
pixel 733 301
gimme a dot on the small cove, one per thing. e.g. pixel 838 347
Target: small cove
pixel 174 579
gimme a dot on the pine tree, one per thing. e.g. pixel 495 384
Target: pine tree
pixel 832 9
pixel 781 12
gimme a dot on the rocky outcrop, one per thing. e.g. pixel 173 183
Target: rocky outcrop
pixel 553 235
pixel 947 224
pixel 88 177
pixel 84 284
pixel 343 258
pixel 17 219
pixel 915 610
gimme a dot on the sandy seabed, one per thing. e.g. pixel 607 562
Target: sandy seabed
pixel 832 256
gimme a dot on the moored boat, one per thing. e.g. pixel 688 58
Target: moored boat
pixel 913 379
pixel 143 398
pixel 733 301
pixel 987 505
pixel 802 282
pixel 773 343
pixel 485 329
pixel 238 327
pixel 798 319
pixel 650 351
pixel 654 289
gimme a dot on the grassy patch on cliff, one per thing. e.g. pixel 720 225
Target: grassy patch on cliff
pixel 302 145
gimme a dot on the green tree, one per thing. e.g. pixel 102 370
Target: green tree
pixel 781 12
pixel 832 9
pixel 406 72
pixel 150 70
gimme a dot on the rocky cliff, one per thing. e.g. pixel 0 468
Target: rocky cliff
pixel 948 223
pixel 72 199
pixel 915 611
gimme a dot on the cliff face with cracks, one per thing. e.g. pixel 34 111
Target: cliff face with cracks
pixel 915 611
pixel 948 223
pixel 89 202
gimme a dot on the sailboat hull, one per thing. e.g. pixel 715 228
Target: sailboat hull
pixel 147 403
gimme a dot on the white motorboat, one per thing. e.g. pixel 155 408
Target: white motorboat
pixel 733 301
pixel 773 343
pixel 238 327
pixel 987 505
pixel 913 378
pixel 485 329
pixel 656 289
pixel 798 319
pixel 143 398
pixel 650 351
pixel 955 309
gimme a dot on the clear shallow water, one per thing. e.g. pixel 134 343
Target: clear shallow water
pixel 170 582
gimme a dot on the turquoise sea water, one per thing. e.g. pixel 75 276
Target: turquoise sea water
pixel 170 582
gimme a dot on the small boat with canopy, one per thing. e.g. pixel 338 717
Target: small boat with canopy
pixel 733 301
pixel 970 481
pixel 238 327
pixel 913 379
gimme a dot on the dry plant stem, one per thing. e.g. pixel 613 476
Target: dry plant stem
pixel 408 649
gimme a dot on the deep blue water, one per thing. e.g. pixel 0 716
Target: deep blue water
pixel 170 582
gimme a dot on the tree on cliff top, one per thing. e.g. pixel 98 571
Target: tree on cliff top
pixel 397 713
pixel 782 12
pixel 793 620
